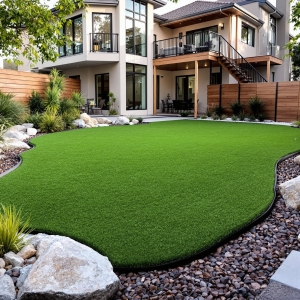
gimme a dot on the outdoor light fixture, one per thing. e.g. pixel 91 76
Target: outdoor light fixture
pixel 221 26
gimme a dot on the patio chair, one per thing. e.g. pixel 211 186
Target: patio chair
pixel 164 106
pixel 99 108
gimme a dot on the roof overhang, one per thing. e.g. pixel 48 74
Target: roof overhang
pixel 102 2
pixel 156 3
pixel 267 6
pixel 213 14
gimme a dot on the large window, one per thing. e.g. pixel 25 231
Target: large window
pixel 136 27
pixel 272 32
pixel 102 89
pixel 136 88
pixel 201 36
pixel 74 32
pixel 248 34
pixel 102 29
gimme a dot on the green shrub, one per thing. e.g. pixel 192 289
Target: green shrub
pixel 215 116
pixel 10 109
pixel 140 119
pixel 56 80
pixel 236 107
pixel 35 119
pixel 203 117
pixel 219 110
pixel 242 116
pixel 77 99
pixel 234 118
pixel 68 117
pixel 12 229
pixel 51 123
pixel 208 112
pixel 52 99
pixel 184 113
pixel 36 104
pixel 296 123
pixel 261 117
pixel 251 118
pixel 4 124
pixel 256 105
pixel 130 118
pixel 112 112
pixel 223 117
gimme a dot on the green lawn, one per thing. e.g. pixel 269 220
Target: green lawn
pixel 145 195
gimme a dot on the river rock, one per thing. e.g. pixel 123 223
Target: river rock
pixel 19 128
pixel 67 269
pixel 15 134
pixel 103 121
pixel 28 125
pixel 297 160
pixel 290 191
pixel 27 251
pixel 122 121
pixel 135 121
pixel 14 259
pixel 2 263
pixel 7 288
pixel 10 144
pixel 31 131
pixel 23 275
pixel 79 123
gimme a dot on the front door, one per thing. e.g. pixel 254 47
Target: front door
pixel 102 89
pixel 185 86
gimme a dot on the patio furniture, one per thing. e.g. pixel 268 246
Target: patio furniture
pixel 170 106
pixel 164 106
pixel 189 49
pixel 99 108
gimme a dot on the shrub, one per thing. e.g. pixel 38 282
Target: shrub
pixel 261 117
pixel 236 107
pixel 215 116
pixel 130 118
pixel 10 109
pixel 256 105
pixel 234 118
pixel 68 117
pixel 35 119
pixel 208 112
pixel 77 99
pixel 219 110
pixel 242 116
pixel 296 123
pixel 51 123
pixel 140 119
pixel 4 124
pixel 36 104
pixel 251 118
pixel 12 229
pixel 223 117
pixel 56 80
pixel 184 113
pixel 203 117
pixel 112 112
pixel 52 97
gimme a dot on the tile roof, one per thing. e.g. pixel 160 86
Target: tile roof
pixel 196 7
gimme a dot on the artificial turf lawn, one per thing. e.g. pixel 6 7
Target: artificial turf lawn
pixel 145 195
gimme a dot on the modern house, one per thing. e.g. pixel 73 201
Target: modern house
pixel 125 48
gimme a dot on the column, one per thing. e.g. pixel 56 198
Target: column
pixel 154 90
pixel 196 90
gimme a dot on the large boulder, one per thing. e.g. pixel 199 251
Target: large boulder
pixel 7 288
pixel 290 191
pixel 10 144
pixel 28 125
pixel 31 131
pixel 135 121
pixel 79 123
pixel 15 134
pixel 122 121
pixel 103 120
pixel 19 128
pixel 67 269
pixel 91 122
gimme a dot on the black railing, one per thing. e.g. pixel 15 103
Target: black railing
pixel 238 62
pixel 104 42
pixel 207 41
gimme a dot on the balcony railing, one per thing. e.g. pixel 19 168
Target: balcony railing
pixel 104 42
pixel 198 42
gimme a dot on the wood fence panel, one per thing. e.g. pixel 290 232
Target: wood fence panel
pixel 288 101
pixel 21 84
pixel 247 91
pixel 230 94
pixel 266 91
pixel 213 96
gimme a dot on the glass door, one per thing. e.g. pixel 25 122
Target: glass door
pixel 185 88
pixel 102 89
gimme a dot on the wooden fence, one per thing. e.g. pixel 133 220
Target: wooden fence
pixel 21 84
pixel 281 99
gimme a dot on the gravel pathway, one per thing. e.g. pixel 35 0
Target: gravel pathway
pixel 240 269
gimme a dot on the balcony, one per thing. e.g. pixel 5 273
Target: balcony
pixel 104 42
pixel 194 43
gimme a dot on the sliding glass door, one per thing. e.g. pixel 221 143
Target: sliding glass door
pixel 185 86
pixel 102 89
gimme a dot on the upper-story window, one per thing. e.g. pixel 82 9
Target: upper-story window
pixel 272 31
pixel 74 32
pixel 102 32
pixel 248 34
pixel 136 18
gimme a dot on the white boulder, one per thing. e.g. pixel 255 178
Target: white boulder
pixel 31 131
pixel 91 122
pixel 15 134
pixel 103 125
pixel 103 120
pixel 135 121
pixel 10 144
pixel 2 263
pixel 297 160
pixel 19 128
pixel 122 121
pixel 2 272
pixel 79 123
pixel 7 288
pixel 14 259
pixel 67 269
pixel 28 125
pixel 290 191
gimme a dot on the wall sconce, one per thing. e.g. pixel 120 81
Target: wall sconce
pixel 180 35
pixel 221 26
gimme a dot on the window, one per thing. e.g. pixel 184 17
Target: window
pixel 272 35
pixel 136 78
pixel 201 36
pixel 136 27
pixel 248 34
pixel 74 32
pixel 102 89
pixel 102 29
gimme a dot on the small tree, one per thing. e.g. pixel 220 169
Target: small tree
pixel 111 104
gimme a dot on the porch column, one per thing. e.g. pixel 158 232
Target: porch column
pixel 236 32
pixel 268 70
pixel 196 90
pixel 154 90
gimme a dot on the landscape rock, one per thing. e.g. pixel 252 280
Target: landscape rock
pixel 31 131
pixel 297 160
pixel 27 252
pixel 103 120
pixel 103 125
pixel 290 191
pixel 2 271
pixel 130 123
pixel 23 275
pixel 2 263
pixel 79 123
pixel 19 128
pixel 11 144
pixel 28 125
pixel 15 134
pixel 7 288
pixel 122 121
pixel 135 121
pixel 67 269
pixel 88 120
pixel 14 259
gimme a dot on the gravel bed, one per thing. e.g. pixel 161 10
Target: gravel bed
pixel 240 269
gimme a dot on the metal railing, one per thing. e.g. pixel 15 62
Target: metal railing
pixel 104 42
pixel 240 64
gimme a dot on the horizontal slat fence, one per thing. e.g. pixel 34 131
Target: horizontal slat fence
pixel 21 84
pixel 282 99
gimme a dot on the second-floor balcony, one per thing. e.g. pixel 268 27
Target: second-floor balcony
pixel 104 42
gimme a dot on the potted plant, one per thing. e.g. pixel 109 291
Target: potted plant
pixel 111 104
